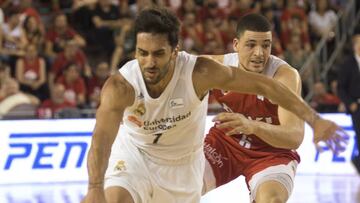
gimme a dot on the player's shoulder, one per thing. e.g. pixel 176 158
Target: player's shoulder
pixel 129 64
pixel 218 58
pixel 118 84
pixel 282 66
pixel 286 69
pixel 276 61
pixel 227 59
pixel 287 73
pixel 116 93
pixel 185 57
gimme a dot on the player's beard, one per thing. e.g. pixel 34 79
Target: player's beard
pixel 159 73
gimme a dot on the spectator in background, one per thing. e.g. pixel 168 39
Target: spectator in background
pixel 322 20
pixel 276 47
pixel 192 33
pixel 213 41
pixel 13 39
pixel 106 20
pixel 94 85
pixel 211 10
pixel 80 3
pixel 124 8
pixel 323 101
pixel 291 7
pixel 295 54
pixel 33 32
pixel 138 5
pixel 4 75
pixel 187 6
pixel 14 97
pixel 293 20
pixel 75 89
pixel 58 35
pixel 25 6
pixel 349 89
pixel 57 102
pixel 31 73
pixel 1 17
pixel 82 22
pixel 5 4
pixel 240 8
pixel 228 34
pixel 71 54
pixel 123 44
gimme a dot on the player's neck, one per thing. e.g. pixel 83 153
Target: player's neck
pixel 155 90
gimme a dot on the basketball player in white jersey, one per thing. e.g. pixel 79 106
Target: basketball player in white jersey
pixel 160 99
pixel 264 136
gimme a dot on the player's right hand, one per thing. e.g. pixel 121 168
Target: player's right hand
pixel 331 134
pixel 95 195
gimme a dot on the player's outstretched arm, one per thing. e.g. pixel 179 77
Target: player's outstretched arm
pixel 209 74
pixel 288 134
pixel 116 95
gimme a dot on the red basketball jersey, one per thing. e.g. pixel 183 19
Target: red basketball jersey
pixel 232 156
pixel 254 107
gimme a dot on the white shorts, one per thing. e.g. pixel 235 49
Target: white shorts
pixel 150 181
pixel 284 174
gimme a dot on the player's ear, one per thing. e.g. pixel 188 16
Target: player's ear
pixel 175 51
pixel 235 44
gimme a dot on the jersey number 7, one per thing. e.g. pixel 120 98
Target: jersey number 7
pixel 158 135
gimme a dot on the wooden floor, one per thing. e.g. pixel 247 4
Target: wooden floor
pixel 308 189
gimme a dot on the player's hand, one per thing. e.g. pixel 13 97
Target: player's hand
pixel 331 134
pixel 95 195
pixel 234 123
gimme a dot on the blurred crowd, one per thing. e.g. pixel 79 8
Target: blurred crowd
pixel 56 54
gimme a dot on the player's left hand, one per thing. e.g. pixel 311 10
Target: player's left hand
pixel 331 134
pixel 234 123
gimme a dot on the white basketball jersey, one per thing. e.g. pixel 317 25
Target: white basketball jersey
pixel 171 126
pixel 271 66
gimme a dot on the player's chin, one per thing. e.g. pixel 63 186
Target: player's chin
pixel 151 80
pixel 257 68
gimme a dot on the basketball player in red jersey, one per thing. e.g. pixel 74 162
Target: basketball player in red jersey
pixel 264 136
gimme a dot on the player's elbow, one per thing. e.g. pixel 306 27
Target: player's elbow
pixel 295 145
pixel 298 138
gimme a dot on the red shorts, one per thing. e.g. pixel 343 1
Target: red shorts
pixel 228 159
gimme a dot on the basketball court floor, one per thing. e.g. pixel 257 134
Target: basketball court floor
pixel 308 189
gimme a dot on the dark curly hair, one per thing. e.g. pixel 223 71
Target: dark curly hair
pixel 158 21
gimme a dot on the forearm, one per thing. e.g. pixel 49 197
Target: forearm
pixel 279 136
pixel 22 81
pixel 114 23
pixel 287 99
pixel 98 160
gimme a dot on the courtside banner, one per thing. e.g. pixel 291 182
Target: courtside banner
pixel 40 151
pixel 37 151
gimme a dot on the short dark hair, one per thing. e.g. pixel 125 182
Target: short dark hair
pixel 252 22
pixel 158 21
